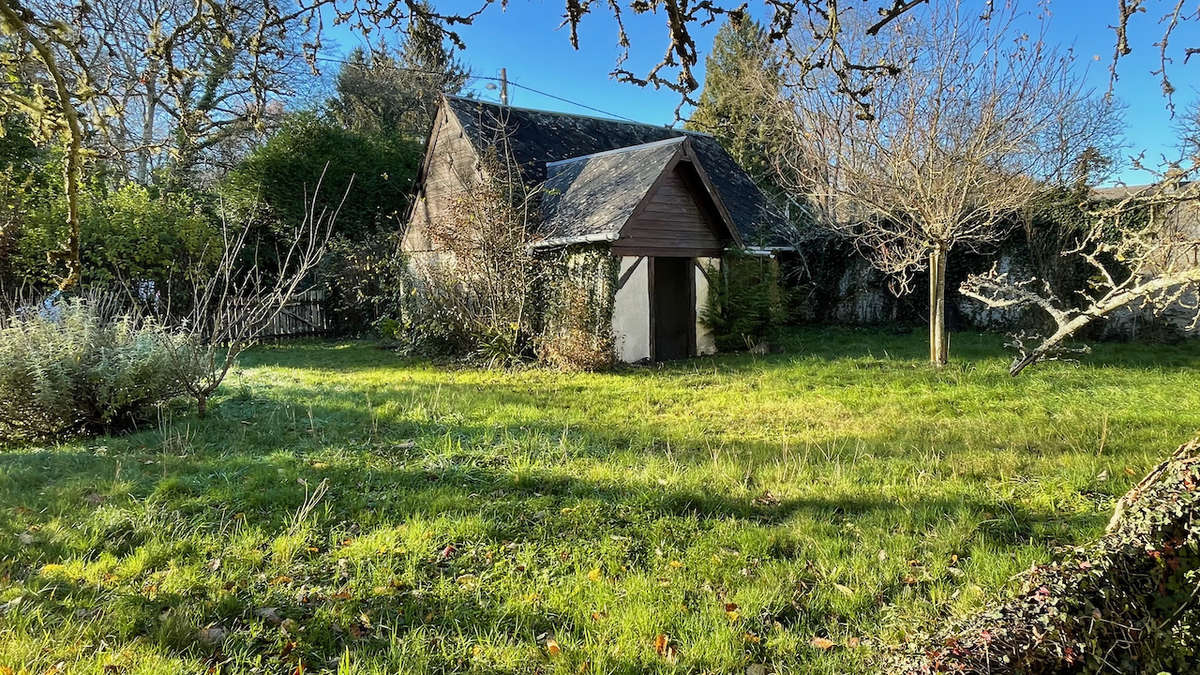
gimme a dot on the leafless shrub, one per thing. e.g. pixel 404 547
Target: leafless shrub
pixel 232 303
pixel 477 291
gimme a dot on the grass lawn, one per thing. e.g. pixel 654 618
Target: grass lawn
pixel 350 510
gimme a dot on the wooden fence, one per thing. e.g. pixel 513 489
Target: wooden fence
pixel 304 316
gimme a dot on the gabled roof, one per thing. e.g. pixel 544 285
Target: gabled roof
pixel 537 138
pixel 591 198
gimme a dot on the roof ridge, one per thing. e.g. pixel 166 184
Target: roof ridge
pixel 666 127
pixel 627 148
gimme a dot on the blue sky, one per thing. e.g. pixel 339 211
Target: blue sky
pixel 526 40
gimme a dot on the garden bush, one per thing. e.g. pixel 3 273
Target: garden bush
pixel 744 303
pixel 81 366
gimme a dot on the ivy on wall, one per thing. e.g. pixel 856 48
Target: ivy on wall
pixel 578 302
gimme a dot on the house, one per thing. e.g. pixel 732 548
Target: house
pixel 662 205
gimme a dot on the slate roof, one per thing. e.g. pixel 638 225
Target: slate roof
pixel 591 198
pixel 538 137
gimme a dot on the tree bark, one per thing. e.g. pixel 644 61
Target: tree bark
pixel 151 102
pixel 939 338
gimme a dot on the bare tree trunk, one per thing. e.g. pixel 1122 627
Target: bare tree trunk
pixel 939 339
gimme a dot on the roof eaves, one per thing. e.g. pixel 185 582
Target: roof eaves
pixel 576 239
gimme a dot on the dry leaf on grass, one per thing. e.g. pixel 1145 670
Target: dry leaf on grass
pixel 822 643
pixel 212 635
pixel 665 648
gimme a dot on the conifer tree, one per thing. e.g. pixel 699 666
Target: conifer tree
pixel 742 76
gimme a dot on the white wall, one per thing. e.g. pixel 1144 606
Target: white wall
pixel 705 341
pixel 631 312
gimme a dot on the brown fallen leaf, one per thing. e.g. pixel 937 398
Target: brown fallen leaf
pixel 766 499
pixel 853 642
pixel 552 647
pixel 665 648
pixel 822 643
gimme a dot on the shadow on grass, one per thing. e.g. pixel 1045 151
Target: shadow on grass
pixel 249 457
pixel 199 495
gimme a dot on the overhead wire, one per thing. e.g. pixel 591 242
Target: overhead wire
pixel 490 78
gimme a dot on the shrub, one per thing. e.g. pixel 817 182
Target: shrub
pixel 131 234
pixel 277 181
pixel 79 367
pixel 275 187
pixel 744 305
pixel 363 281
pixel 476 296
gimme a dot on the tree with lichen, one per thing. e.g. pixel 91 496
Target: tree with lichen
pixel 174 80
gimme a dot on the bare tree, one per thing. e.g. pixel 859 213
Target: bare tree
pixel 235 301
pixel 1145 250
pixel 952 153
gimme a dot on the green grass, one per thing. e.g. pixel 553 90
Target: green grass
pixel 738 505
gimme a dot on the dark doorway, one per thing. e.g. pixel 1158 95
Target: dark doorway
pixel 673 307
